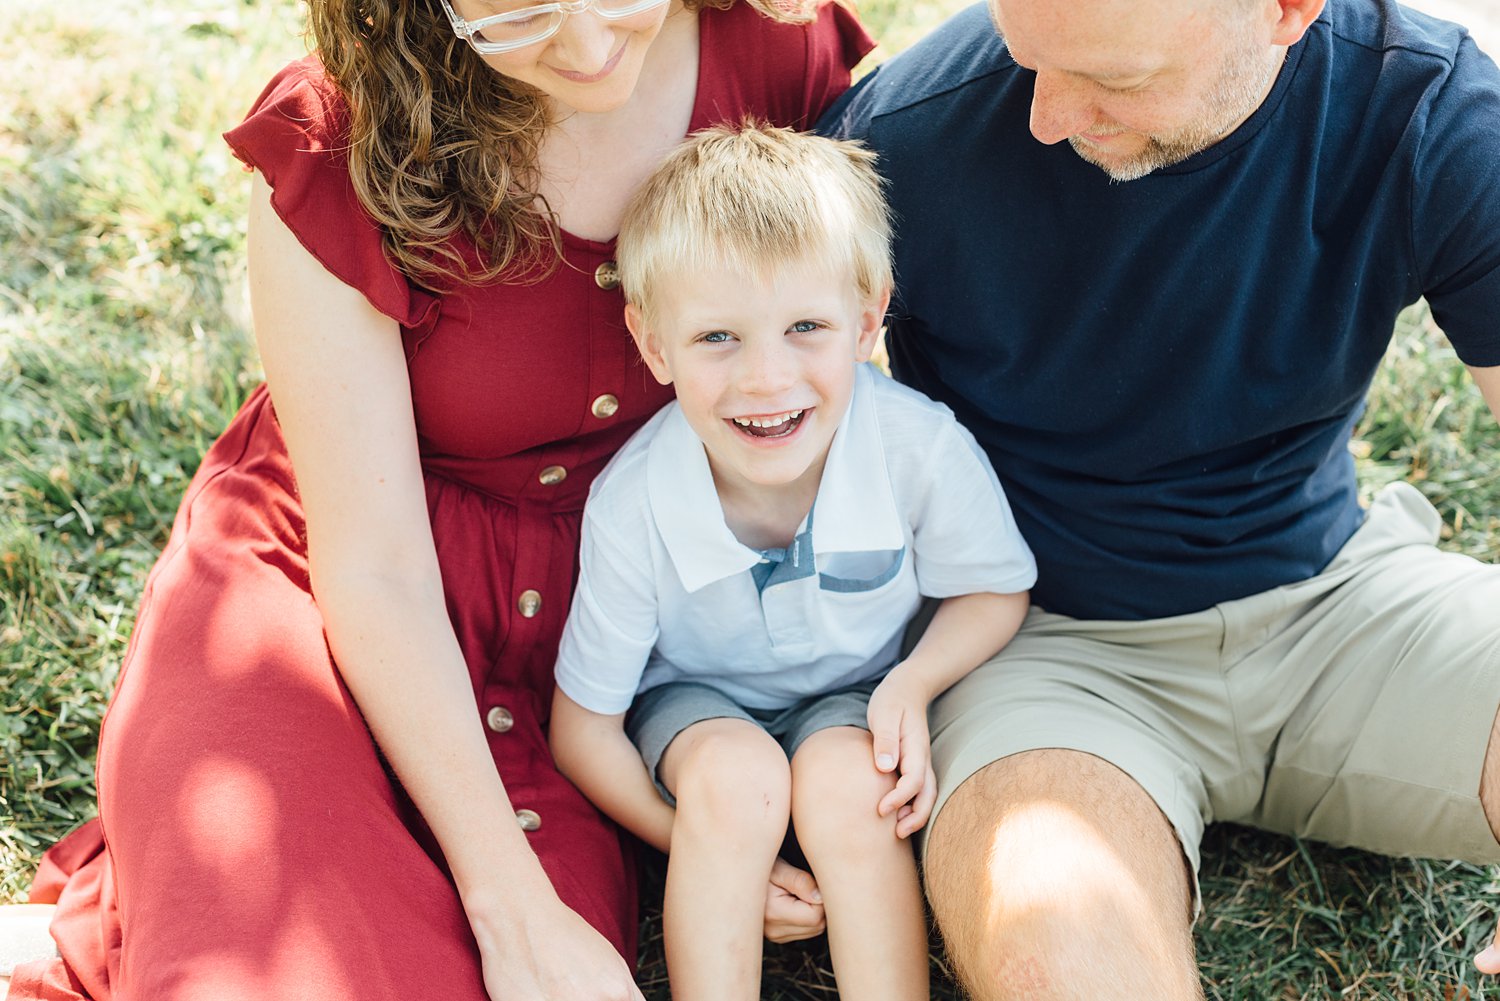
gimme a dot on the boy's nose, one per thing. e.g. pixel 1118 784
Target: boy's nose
pixel 766 369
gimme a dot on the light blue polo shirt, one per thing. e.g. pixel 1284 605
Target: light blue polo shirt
pixel 908 507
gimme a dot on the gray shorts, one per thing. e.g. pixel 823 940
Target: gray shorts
pixel 661 713
pixel 1353 707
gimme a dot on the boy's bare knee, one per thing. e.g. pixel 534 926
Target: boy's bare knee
pixel 835 787
pixel 730 775
pixel 1050 870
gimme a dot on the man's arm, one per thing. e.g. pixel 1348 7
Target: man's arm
pixel 1488 381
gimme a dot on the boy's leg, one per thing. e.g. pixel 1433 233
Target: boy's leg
pixel 877 925
pixel 732 786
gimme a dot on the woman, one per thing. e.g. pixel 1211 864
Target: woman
pixel 432 210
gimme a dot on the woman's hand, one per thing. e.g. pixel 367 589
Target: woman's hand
pixel 543 951
pixel 794 907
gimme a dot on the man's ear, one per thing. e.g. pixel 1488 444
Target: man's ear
pixel 647 344
pixel 1290 19
pixel 871 319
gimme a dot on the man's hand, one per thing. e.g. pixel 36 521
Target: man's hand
pixel 898 727
pixel 794 907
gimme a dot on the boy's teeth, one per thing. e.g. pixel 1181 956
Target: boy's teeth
pixel 768 422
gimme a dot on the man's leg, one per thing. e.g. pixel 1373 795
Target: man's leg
pixel 1489 779
pixel 1488 961
pixel 1052 874
pixel 1392 747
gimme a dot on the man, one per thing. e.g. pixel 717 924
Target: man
pixel 1159 311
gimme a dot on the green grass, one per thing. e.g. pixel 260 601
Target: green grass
pixel 123 351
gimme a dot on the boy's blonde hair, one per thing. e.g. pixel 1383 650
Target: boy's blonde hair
pixel 755 197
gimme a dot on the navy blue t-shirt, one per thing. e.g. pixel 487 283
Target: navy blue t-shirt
pixel 1166 372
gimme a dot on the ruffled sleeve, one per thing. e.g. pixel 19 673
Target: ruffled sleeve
pixel 835 45
pixel 295 135
pixel 786 73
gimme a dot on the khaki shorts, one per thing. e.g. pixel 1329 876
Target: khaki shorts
pixel 1352 708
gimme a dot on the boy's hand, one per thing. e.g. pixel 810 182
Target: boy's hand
pixel 794 907
pixel 898 727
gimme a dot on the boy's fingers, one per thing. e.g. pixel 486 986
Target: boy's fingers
pixel 914 769
pixel 907 786
pixel 798 882
pixel 791 920
pixel 885 736
pixel 921 808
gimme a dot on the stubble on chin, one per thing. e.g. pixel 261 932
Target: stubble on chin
pixel 1245 81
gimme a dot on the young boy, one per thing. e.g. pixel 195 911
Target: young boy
pixel 751 559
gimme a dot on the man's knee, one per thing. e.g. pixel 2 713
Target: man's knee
pixel 1050 869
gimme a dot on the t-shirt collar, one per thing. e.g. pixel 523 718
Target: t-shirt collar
pixel 855 509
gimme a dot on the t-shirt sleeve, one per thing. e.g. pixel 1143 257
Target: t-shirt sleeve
pixel 1456 207
pixel 296 136
pixel 612 626
pixel 965 539
pixel 836 42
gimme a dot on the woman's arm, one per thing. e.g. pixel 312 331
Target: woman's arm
pixel 592 750
pixel 338 379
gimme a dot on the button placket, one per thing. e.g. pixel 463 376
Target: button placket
pixel 607 276
pixel 605 406
pixel 499 719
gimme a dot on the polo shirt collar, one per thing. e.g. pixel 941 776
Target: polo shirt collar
pixel 855 510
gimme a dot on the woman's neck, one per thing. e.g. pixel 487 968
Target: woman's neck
pixel 592 163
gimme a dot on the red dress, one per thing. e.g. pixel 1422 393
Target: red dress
pixel 250 844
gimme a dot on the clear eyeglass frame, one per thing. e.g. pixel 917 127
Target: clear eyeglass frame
pixel 550 18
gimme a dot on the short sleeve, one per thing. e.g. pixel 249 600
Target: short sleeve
pixel 787 74
pixel 612 625
pixel 1456 207
pixel 965 538
pixel 296 136
pixel 836 43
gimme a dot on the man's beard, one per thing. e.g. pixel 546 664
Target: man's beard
pixel 1235 95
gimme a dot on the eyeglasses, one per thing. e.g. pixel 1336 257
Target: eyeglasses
pixel 528 24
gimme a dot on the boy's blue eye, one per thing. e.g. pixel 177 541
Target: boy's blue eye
pixel 804 327
pixel 716 337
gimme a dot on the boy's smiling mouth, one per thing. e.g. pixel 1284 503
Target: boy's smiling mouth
pixel 769 425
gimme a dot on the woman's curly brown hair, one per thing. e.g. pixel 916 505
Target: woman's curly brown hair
pixel 441 144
